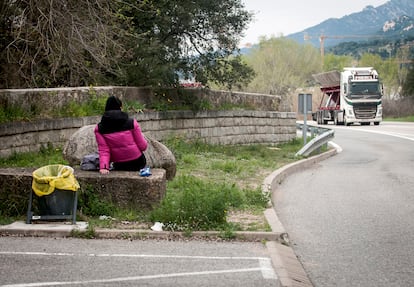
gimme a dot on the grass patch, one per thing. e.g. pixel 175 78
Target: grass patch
pixel 46 156
pixel 93 107
pixel 400 119
pixel 212 181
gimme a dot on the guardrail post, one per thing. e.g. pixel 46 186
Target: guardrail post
pixel 316 144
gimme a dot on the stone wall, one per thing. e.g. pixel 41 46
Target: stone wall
pixel 44 101
pixel 216 127
pixel 262 124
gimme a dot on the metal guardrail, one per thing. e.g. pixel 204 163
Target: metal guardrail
pixel 324 135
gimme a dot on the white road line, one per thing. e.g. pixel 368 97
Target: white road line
pixel 134 278
pixel 397 135
pixel 265 268
pixel 336 146
pixel 393 134
pixel 132 255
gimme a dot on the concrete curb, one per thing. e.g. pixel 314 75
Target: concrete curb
pixel 288 268
pixel 63 229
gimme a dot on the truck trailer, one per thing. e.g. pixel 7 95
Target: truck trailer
pixel 351 96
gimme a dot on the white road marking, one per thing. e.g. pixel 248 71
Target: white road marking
pixel 393 134
pixel 133 255
pixel 134 278
pixel 398 135
pixel 336 146
pixel 265 267
pixel 267 270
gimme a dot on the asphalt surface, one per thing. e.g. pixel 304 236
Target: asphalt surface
pixel 350 217
pixel 78 262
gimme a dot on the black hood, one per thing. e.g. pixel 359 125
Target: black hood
pixel 115 121
pixel 113 103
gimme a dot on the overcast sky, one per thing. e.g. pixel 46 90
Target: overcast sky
pixel 284 17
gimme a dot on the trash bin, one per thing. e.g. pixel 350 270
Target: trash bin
pixel 60 202
pixel 55 187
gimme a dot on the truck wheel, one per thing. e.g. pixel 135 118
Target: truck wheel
pixel 345 122
pixel 376 123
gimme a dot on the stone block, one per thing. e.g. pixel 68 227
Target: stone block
pixel 123 188
pixel 83 142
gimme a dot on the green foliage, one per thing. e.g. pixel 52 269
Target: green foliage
pixel 213 179
pixel 89 233
pixel 181 39
pixel 91 204
pixel 12 204
pixel 282 64
pixel 15 113
pixel 198 205
pixel 5 219
pixel 232 167
pixel 46 156
pixel 132 107
pixel 178 99
pixel 387 69
pixel 334 62
pixel 139 43
pixel 94 106
pixel 61 49
pixel 408 88
pixel 229 72
pixel 401 119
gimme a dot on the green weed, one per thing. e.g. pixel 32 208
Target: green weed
pixel 401 119
pixel 89 233
pixel 90 204
pixel 46 156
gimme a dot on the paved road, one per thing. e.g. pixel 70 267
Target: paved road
pixel 351 217
pixel 79 262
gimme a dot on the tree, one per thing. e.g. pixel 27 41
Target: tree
pixel 55 43
pixel 387 69
pixel 335 62
pixel 408 88
pixel 184 38
pixel 281 65
pixel 145 42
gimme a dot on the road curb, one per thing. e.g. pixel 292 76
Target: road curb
pixel 80 229
pixel 288 268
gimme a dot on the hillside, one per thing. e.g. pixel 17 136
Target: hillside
pixel 394 34
pixel 392 20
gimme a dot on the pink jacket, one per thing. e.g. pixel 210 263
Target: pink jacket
pixel 120 146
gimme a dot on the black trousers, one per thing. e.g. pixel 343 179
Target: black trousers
pixel 132 165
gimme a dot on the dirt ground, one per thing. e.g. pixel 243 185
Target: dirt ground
pixel 244 220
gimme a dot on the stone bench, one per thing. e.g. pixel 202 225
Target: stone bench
pixel 125 189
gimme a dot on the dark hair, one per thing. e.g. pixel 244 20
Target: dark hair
pixel 113 103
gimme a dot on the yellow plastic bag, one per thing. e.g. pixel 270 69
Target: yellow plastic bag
pixel 47 178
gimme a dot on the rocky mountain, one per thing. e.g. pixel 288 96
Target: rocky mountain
pixel 391 20
pixel 402 27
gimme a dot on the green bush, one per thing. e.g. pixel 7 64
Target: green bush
pixel 15 113
pixel 198 205
pixel 90 204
